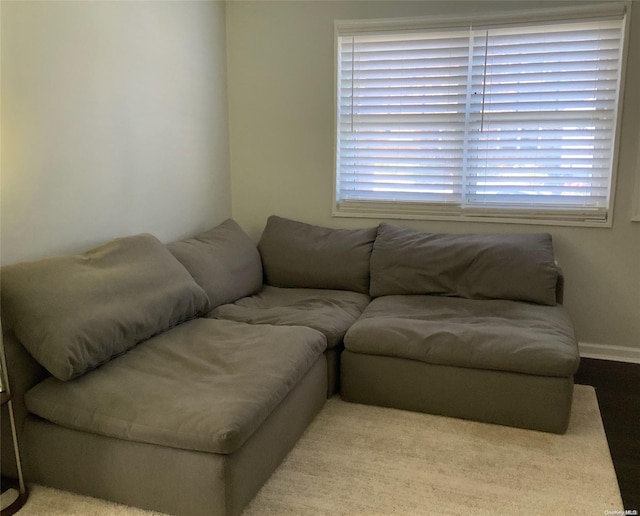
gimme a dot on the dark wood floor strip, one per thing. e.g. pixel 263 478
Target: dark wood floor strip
pixel 617 386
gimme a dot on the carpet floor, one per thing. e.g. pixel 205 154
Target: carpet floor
pixel 356 459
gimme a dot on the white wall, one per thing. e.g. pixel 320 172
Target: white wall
pixel 114 122
pixel 281 66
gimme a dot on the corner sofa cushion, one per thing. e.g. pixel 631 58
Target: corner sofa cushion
pixel 475 266
pixel 499 335
pixel 299 255
pixel 205 385
pixel 331 312
pixel 223 261
pixel 73 313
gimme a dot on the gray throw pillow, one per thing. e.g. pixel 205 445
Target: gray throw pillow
pixel 73 313
pixel 476 266
pixel 299 255
pixel 224 261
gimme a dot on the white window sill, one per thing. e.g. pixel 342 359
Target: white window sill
pixel 524 219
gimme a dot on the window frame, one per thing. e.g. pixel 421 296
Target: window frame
pixel 433 211
pixel 635 217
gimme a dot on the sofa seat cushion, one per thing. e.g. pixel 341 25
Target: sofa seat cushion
pixel 483 334
pixel 331 312
pixel 205 385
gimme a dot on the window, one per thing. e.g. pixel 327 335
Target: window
pixel 493 120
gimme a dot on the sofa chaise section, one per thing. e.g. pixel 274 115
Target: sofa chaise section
pixel 206 387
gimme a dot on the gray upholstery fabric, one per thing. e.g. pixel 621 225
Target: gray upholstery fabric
pixel 513 399
pixel 333 369
pixel 205 385
pixel 295 254
pixel 482 334
pixel 75 312
pixel 331 312
pixel 500 266
pixel 223 261
pixel 165 479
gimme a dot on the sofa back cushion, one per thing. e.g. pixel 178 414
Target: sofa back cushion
pixel 299 255
pixel 476 266
pixel 224 261
pixel 73 313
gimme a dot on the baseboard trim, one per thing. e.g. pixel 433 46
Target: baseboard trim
pixel 604 352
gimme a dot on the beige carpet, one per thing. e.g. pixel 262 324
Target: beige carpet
pixel 356 459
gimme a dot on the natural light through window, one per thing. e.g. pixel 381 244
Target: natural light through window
pixel 488 120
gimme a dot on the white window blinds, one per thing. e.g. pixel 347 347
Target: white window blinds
pixel 516 121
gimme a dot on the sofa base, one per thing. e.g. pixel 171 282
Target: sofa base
pixel 171 480
pixel 505 398
pixel 333 369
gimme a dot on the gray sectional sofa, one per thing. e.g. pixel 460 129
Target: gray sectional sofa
pixel 177 377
